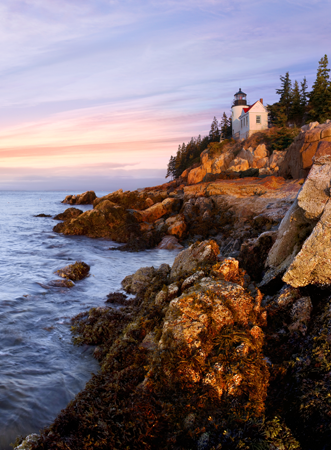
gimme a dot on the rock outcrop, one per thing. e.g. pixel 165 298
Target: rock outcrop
pixel 86 198
pixel 302 248
pixel 177 359
pixel 299 156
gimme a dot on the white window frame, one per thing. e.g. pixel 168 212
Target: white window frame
pixel 258 119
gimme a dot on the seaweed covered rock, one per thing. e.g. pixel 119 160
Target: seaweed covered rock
pixel 112 222
pixel 69 213
pixel 196 255
pixel 184 360
pixel 86 198
pixel 135 283
pixel 74 272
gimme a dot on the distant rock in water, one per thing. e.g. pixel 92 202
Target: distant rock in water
pixel 86 198
pixel 43 215
pixel 60 284
pixel 170 243
pixel 74 272
pixel 70 213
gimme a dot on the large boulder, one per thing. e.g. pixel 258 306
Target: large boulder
pixel 208 339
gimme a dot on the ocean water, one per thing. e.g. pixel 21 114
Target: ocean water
pixel 40 368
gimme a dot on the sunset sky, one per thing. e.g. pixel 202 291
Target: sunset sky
pixel 97 94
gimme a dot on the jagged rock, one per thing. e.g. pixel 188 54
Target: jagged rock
pixel 190 259
pixel 69 213
pixel 74 272
pixel 170 243
pixel 86 198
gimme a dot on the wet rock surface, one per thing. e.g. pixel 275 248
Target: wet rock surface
pixel 74 272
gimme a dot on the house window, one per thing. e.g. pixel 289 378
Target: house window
pixel 246 121
pixel 241 123
pixel 258 119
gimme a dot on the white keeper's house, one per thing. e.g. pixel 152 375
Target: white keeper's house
pixel 247 120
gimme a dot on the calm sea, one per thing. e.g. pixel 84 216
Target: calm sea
pixel 40 369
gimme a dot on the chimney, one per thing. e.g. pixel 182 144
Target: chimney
pixel 261 100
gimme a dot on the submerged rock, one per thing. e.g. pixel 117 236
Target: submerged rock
pixel 27 443
pixel 74 272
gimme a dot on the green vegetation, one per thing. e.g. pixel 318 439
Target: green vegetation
pixel 297 106
pixel 189 154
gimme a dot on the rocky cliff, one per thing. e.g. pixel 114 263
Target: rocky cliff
pixel 231 346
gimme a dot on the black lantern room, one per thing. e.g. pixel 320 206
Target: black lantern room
pixel 240 98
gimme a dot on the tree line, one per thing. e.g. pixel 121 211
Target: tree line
pixel 189 154
pixel 297 106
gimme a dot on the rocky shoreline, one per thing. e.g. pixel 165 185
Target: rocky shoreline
pixel 231 346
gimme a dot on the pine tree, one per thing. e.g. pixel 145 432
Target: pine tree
pixel 296 111
pixel 319 106
pixel 285 93
pixel 304 93
pixel 225 126
pixel 214 133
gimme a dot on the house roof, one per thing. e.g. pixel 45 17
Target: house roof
pixel 249 107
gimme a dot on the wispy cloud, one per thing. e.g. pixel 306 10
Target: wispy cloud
pixel 112 79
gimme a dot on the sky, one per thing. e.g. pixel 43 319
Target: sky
pixel 98 94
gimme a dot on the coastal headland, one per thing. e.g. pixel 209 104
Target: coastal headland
pixel 230 348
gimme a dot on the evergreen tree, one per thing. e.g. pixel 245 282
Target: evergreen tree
pixel 319 106
pixel 304 94
pixel 214 133
pixel 296 111
pixel 225 127
pixel 285 93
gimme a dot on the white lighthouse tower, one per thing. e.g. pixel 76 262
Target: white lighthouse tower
pixel 240 102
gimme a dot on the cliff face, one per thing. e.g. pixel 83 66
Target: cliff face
pixel 253 155
pixel 231 346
